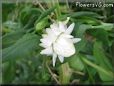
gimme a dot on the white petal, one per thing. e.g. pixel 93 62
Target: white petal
pixel 48 30
pixel 64 47
pixel 75 40
pixel 47 51
pixel 56 31
pixel 61 27
pixel 66 36
pixel 54 58
pixel 54 25
pixel 66 21
pixel 44 35
pixel 70 29
pixel 46 41
pixel 43 45
pixel 61 58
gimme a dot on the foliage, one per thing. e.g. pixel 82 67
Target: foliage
pixel 23 24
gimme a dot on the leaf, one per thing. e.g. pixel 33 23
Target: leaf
pixel 11 38
pixel 6 10
pixel 81 30
pixel 100 34
pixel 12 25
pixel 80 14
pixel 80 45
pixel 106 74
pixel 88 20
pixel 84 13
pixel 100 56
pixel 46 13
pixel 22 48
pixel 105 26
pixel 8 72
pixel 27 13
pixel 76 63
pixel 102 60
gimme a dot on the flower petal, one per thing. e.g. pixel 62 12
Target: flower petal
pixel 45 41
pixel 54 25
pixel 70 29
pixel 75 40
pixel 64 47
pixel 48 31
pixel 66 36
pixel 66 21
pixel 61 27
pixel 61 58
pixel 43 45
pixel 54 59
pixel 47 51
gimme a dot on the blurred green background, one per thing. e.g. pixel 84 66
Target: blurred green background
pixel 22 26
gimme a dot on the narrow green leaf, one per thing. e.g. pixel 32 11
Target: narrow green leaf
pixel 105 26
pixel 84 13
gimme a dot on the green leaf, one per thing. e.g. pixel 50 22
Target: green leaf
pixel 46 13
pixel 80 14
pixel 76 63
pixel 80 45
pixel 27 13
pixel 102 60
pixel 81 30
pixel 105 26
pixel 22 48
pixel 88 20
pixel 12 25
pixel 100 34
pixel 100 56
pixel 105 75
pixel 11 38
pixel 84 13
pixel 8 72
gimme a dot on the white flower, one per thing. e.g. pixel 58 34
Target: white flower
pixel 58 42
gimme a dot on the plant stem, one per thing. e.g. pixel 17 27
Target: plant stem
pixel 52 74
pixel 65 73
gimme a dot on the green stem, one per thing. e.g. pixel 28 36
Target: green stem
pixel 64 73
